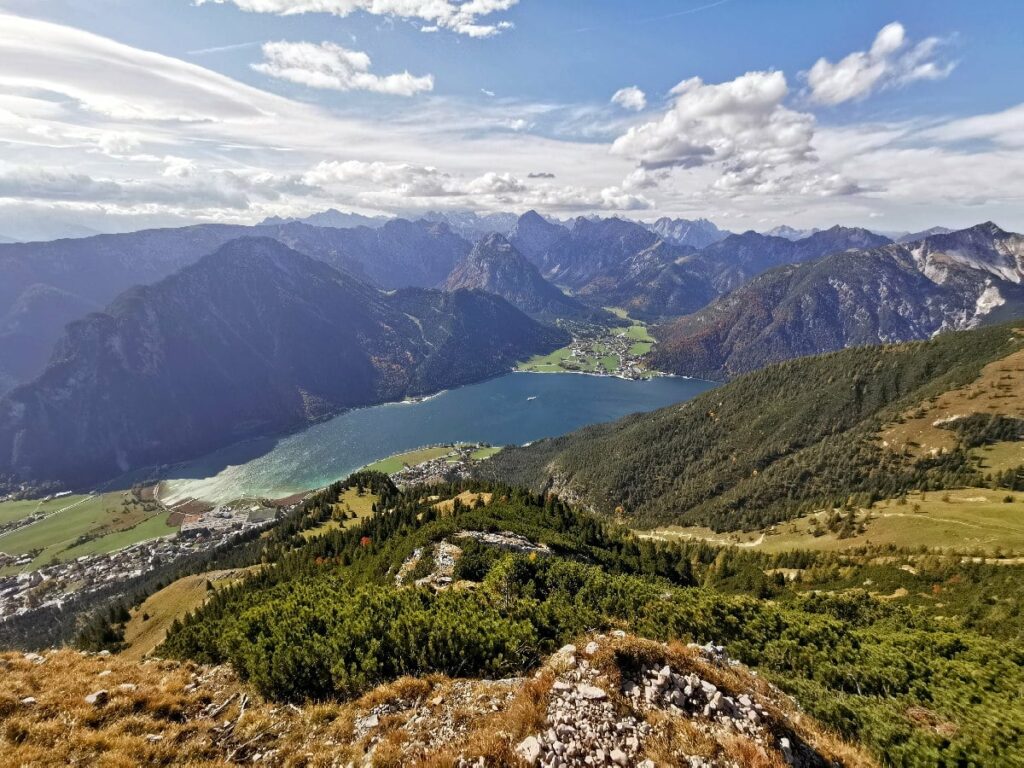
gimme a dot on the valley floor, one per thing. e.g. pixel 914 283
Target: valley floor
pixel 612 351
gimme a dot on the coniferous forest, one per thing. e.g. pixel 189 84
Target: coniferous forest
pixel 333 616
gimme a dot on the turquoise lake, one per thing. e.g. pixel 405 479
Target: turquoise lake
pixel 513 409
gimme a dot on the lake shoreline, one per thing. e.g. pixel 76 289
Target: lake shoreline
pixel 502 410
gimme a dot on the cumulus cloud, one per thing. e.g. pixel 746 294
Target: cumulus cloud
pixel 741 124
pixel 460 16
pixel 402 179
pixel 640 178
pixel 630 98
pixel 890 63
pixel 400 186
pixel 332 67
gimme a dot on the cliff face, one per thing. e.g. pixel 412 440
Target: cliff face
pixel 496 266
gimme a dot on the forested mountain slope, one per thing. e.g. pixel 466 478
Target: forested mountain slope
pixel 888 294
pixel 252 339
pixel 43 286
pixel 771 444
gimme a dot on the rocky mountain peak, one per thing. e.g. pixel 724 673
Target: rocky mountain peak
pixel 984 247
pixel 697 233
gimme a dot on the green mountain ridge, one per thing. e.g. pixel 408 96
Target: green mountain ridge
pixel 773 443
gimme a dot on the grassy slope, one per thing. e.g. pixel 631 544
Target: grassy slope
pixel 966 521
pixel 999 457
pixel 998 389
pixel 172 602
pixel 349 502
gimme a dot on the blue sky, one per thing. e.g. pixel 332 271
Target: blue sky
pixel 912 115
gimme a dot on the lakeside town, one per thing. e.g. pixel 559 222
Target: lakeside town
pixel 193 526
pixel 600 351
pixel 201 529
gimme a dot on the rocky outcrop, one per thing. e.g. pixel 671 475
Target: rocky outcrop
pixel 611 700
pixel 681 706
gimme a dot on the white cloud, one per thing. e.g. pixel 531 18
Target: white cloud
pixel 117 81
pixel 890 63
pixel 741 124
pixel 630 98
pixel 113 134
pixel 640 178
pixel 332 67
pixel 178 186
pixel 433 15
pixel 401 186
pixel 1004 128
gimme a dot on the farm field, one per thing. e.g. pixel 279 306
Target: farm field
pixel 550 363
pixel 16 510
pixel 967 521
pixel 85 525
pixel 639 333
pixel 485 452
pixel 393 464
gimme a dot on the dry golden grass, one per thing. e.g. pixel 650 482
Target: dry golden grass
pixel 466 498
pixel 494 736
pixel 999 389
pixel 149 623
pixel 674 738
pixel 170 713
pixel 158 713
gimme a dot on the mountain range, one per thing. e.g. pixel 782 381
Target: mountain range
pixel 895 292
pixel 495 266
pixel 616 262
pixel 698 233
pixel 253 339
pixel 142 301
pixel 332 217
pixel 43 286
